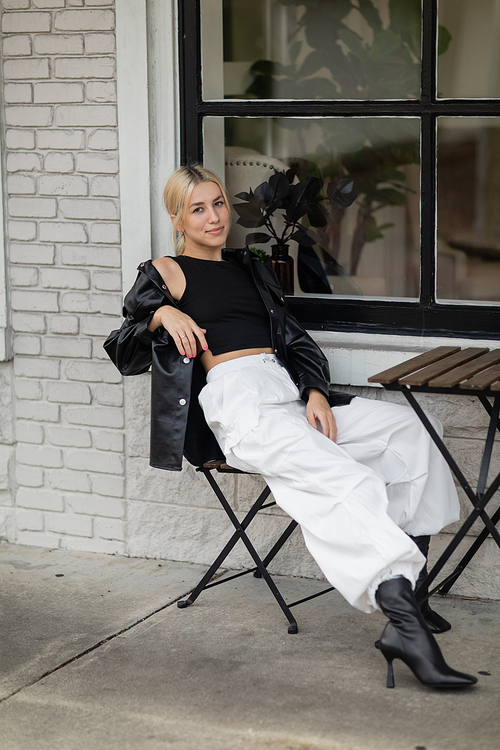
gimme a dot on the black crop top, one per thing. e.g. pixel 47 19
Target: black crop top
pixel 222 298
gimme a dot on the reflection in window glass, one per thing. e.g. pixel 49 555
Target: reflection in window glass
pixel 287 49
pixel 468 217
pixel 370 248
pixel 470 67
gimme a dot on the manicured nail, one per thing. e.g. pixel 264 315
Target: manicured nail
pixel 205 348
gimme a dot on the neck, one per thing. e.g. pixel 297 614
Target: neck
pixel 208 253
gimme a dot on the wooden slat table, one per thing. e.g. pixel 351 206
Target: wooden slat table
pixel 472 371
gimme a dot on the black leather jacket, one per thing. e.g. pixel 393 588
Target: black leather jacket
pixel 178 426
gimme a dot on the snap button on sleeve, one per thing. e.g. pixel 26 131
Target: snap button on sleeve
pixel 186 360
pixel 163 286
pixel 182 401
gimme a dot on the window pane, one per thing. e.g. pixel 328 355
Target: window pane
pixel 468 217
pixel 368 249
pixel 287 49
pixel 470 66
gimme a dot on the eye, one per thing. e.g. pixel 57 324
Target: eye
pixel 197 210
pixel 219 203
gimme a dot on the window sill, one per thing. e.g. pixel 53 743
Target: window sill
pixel 354 357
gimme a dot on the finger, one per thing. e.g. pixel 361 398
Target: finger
pixel 189 342
pixel 200 334
pixel 180 340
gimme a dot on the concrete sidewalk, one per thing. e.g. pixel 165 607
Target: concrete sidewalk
pixel 95 655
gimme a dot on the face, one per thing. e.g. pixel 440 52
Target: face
pixel 206 219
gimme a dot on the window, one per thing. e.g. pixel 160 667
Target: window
pixel 399 95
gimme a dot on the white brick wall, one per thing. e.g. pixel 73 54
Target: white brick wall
pixel 65 279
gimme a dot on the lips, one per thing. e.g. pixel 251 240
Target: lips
pixel 215 231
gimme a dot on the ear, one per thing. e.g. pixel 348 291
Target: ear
pixel 173 219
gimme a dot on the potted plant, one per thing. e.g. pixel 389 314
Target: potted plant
pixel 294 201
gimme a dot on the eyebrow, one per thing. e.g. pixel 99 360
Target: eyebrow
pixel 202 203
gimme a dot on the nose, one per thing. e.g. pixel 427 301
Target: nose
pixel 213 216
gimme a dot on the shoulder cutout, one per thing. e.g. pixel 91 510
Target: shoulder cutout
pixel 172 275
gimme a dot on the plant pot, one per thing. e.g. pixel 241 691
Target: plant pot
pixel 282 264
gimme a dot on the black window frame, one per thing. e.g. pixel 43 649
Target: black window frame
pixel 424 317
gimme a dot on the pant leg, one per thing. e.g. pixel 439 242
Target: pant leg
pixel 340 504
pixel 391 440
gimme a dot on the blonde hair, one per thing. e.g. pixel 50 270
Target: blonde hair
pixel 178 191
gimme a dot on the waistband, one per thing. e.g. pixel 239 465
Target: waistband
pixel 233 365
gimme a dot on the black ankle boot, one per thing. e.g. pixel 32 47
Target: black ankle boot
pixel 435 622
pixel 407 637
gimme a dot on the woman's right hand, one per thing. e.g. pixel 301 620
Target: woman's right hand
pixel 183 330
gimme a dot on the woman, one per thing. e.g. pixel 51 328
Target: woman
pixel 355 473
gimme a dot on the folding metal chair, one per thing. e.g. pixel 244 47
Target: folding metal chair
pixel 260 568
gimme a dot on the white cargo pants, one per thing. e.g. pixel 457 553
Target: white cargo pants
pixel 354 499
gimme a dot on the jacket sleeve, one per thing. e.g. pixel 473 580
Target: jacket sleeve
pixel 307 363
pixel 130 347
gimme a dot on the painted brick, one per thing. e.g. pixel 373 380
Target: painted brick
pixel 59 162
pixel 26 67
pixel 38 254
pixel 75 3
pixel 17 45
pixel 36 498
pixel 91 256
pixel 22 230
pixel 86 114
pixel 33 207
pixel 28 323
pixel 28 389
pixel 24 344
pixel 108 395
pixel 63 184
pixel 15 23
pixel 67 347
pixel 107 280
pixel 97 325
pixel 95 506
pixel 61 139
pixel 69 481
pixel 102 462
pixel 96 44
pixel 85 20
pixel 107 528
pixel 41 301
pixel 64 278
pixel 108 441
pixel 58 92
pixel 29 432
pixel 95 416
pixel 69 436
pixel 84 67
pixel 89 209
pixel 93 372
pixel 18 93
pixel 108 486
pixel 20 139
pixel 76 302
pixel 35 367
pixel 24 163
pixel 108 304
pixel 38 539
pixel 30 520
pixel 21 276
pixel 58 44
pixel 101 546
pixel 52 231
pixel 64 324
pixel 21 184
pixel 48 3
pixel 39 455
pixel 15 4
pixel 103 140
pixel 106 186
pixel 98 348
pixel 67 523
pixel 29 476
pixel 98 2
pixel 28 115
pixel 95 163
pixel 37 411
pixel 68 393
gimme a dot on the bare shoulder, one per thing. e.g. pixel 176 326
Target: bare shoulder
pixel 172 275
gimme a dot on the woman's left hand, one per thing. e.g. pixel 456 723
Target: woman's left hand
pixel 318 410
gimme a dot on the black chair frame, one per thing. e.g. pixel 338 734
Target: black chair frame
pixel 260 568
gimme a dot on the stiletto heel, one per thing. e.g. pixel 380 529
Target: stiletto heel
pixel 390 675
pixel 407 637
